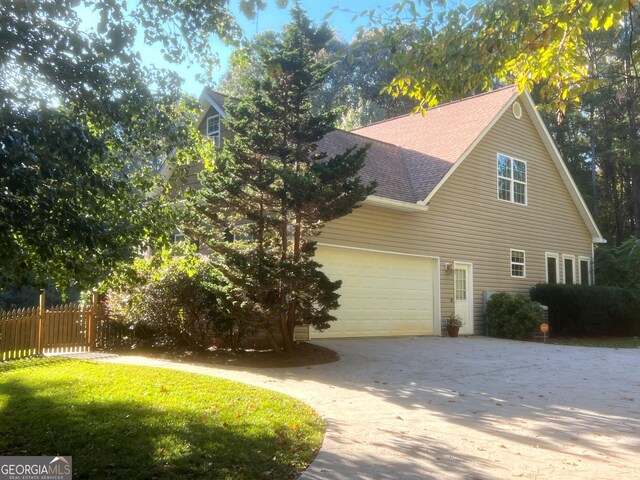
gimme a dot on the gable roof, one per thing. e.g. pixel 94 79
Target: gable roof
pixel 436 141
pixel 412 156
pixel 402 175
pixel 211 99
pixel 432 146
pixel 444 132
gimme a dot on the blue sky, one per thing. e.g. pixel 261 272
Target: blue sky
pixel 272 18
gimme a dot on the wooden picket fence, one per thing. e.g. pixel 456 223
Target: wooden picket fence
pixel 66 328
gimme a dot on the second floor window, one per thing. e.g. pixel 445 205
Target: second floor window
pixel 213 128
pixel 512 180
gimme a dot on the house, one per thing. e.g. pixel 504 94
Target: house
pixel 472 198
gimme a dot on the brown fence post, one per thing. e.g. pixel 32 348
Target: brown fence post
pixel 93 322
pixel 42 312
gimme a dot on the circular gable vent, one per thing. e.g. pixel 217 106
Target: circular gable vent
pixel 517 110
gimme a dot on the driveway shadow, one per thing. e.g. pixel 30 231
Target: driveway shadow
pixel 467 408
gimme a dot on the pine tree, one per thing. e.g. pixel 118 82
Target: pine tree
pixel 272 190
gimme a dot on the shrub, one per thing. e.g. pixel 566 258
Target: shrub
pixel 581 310
pixel 171 301
pixel 512 316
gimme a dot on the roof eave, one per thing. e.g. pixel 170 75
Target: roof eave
pixel 397 205
pixel 205 99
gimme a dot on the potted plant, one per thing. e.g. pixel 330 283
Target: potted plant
pixel 454 322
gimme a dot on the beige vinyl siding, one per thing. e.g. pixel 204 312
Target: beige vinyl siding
pixel 467 222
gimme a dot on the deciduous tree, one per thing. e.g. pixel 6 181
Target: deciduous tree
pixel 469 47
pixel 83 128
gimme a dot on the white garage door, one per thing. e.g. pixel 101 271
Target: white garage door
pixel 381 295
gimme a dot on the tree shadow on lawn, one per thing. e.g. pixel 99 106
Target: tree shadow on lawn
pixel 130 440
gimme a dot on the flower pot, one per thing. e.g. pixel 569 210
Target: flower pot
pixel 453 331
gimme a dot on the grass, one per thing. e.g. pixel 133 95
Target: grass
pixel 125 422
pixel 604 342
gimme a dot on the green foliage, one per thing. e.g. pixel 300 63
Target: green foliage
pixel 580 310
pixel 132 423
pixel 171 301
pixel 524 42
pixel 606 121
pixel 513 316
pixel 454 320
pixel 273 190
pixel 619 266
pixel 70 210
pixel 84 130
pixel 359 71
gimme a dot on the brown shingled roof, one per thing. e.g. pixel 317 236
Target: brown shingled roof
pixel 412 153
pixel 401 174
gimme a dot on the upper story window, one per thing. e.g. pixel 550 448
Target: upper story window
pixel 512 180
pixel 213 128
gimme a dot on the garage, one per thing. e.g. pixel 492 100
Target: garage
pixel 382 294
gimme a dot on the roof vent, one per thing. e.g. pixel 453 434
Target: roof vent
pixel 517 110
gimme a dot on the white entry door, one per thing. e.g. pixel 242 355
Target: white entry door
pixel 462 280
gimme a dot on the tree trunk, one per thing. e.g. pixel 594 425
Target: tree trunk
pixel 272 340
pixel 617 209
pixel 594 170
pixel 635 197
pixel 287 336
pixel 293 302
pixel 634 138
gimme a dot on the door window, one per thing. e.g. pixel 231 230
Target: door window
pixel 460 281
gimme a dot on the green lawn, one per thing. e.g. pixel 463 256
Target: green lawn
pixel 136 422
pixel 606 342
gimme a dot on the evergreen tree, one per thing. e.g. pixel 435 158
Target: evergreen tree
pixel 272 190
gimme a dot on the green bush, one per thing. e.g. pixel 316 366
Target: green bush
pixel 512 316
pixel 171 301
pixel 581 310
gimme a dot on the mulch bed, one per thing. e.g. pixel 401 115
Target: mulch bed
pixel 305 354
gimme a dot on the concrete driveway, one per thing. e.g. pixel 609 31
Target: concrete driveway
pixel 472 408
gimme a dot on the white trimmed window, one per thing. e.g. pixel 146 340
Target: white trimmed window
pixel 553 273
pixel 584 271
pixel 179 237
pixel 569 269
pixel 213 128
pixel 512 180
pixel 518 268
